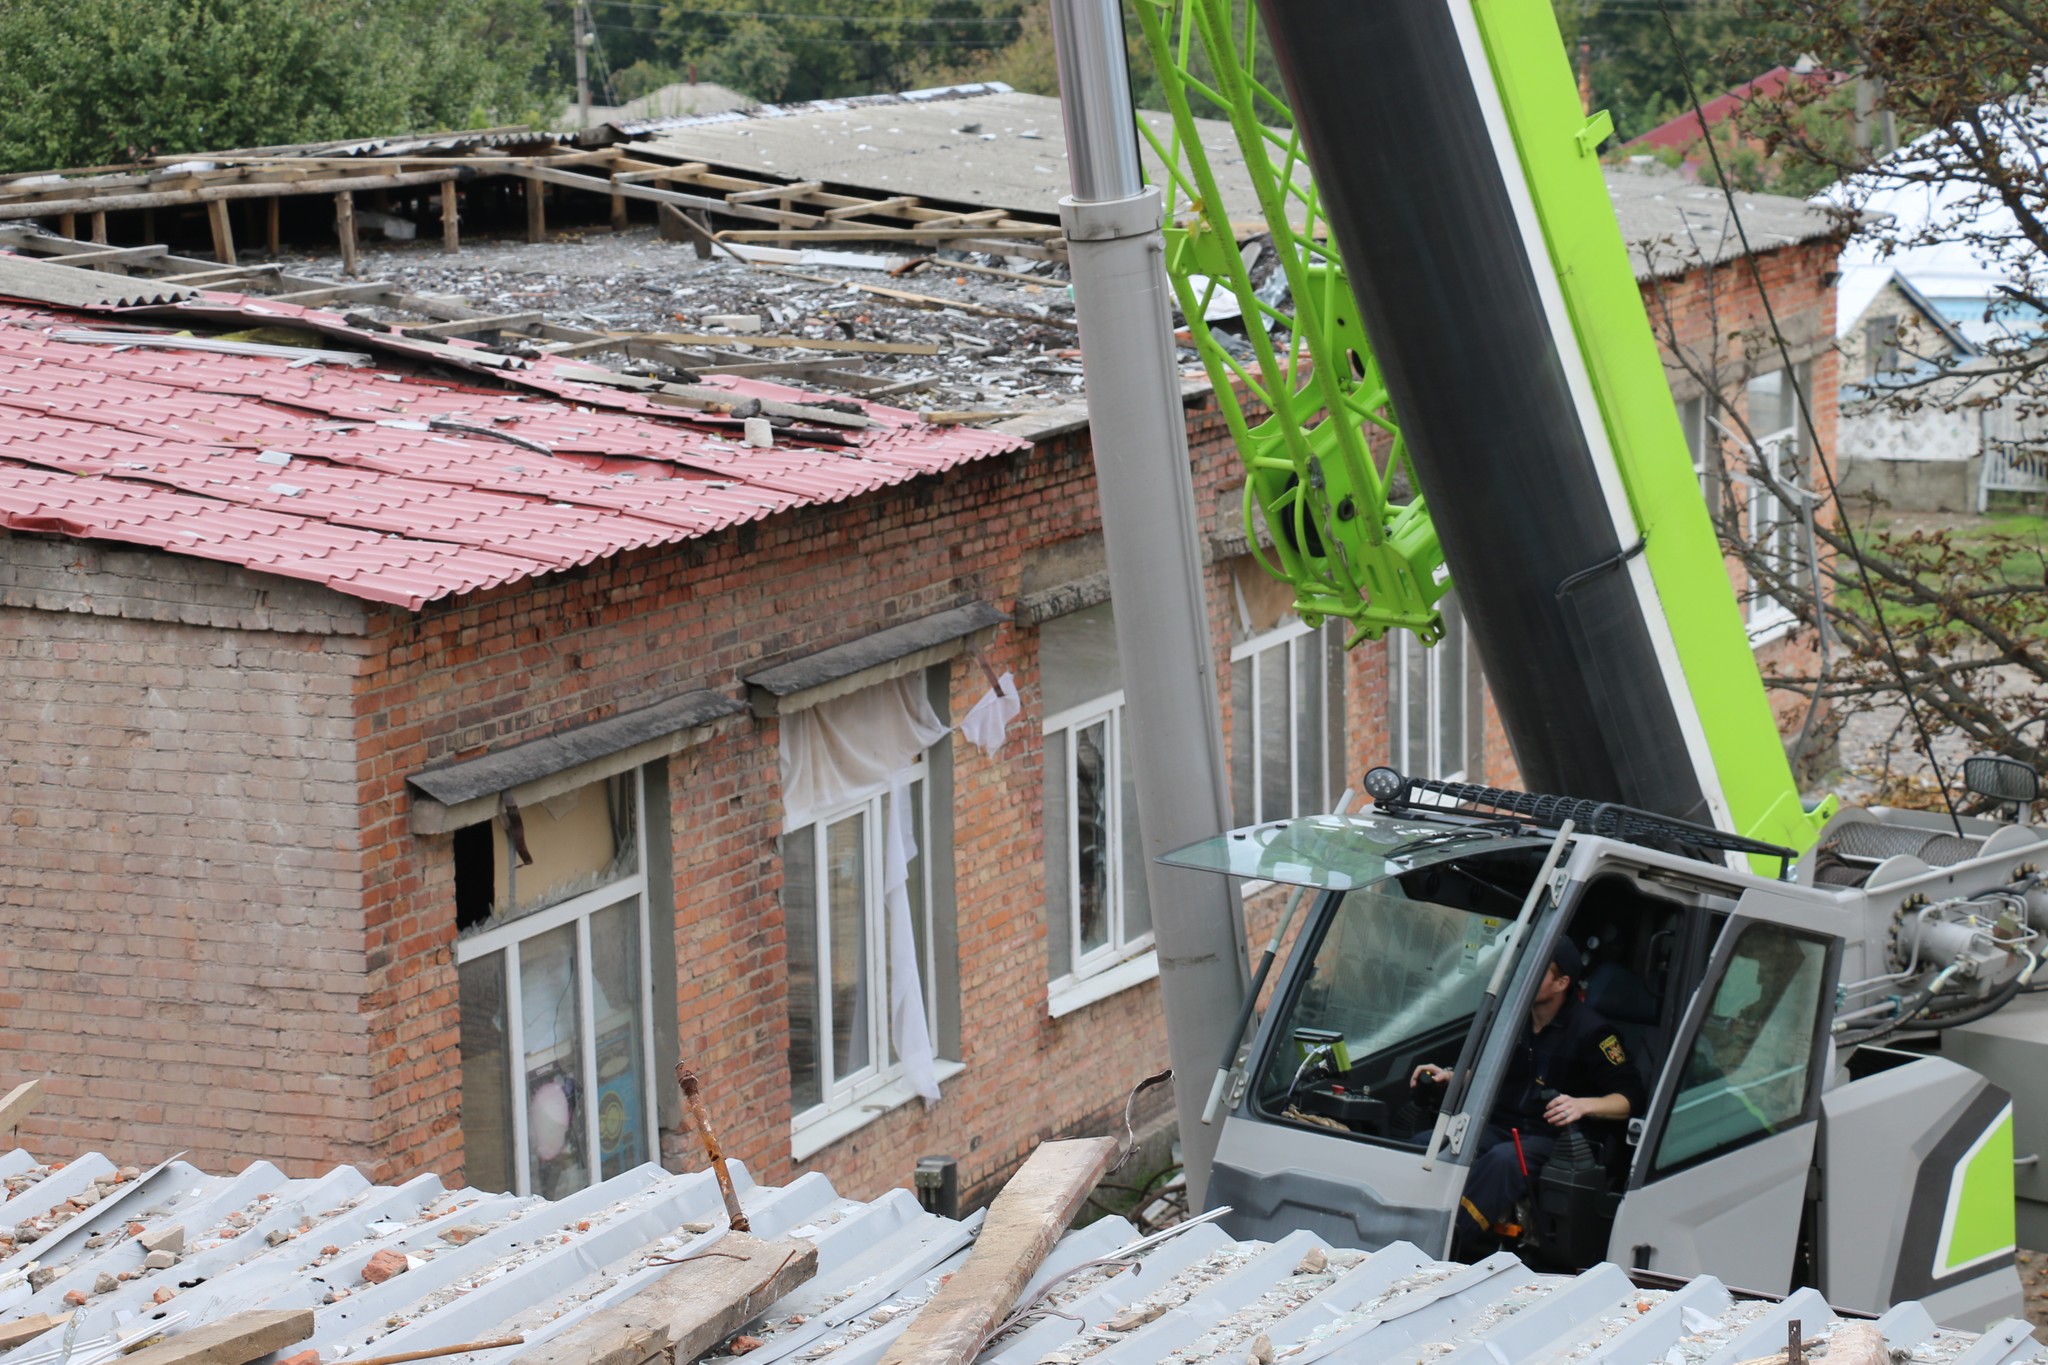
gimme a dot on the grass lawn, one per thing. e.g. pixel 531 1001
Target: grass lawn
pixel 2022 535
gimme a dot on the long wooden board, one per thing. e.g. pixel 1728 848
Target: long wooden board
pixel 1022 1225
pixel 691 1309
pixel 19 1102
pixel 233 1340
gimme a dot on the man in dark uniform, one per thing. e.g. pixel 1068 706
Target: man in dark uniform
pixel 1569 1053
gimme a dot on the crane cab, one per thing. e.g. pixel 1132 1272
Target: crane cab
pixel 1427 943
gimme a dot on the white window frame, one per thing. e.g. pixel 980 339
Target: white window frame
pixel 1426 759
pixel 851 1102
pixel 1771 527
pixel 578 910
pixel 1062 728
pixel 1289 635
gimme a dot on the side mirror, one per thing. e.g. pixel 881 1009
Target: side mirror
pixel 2002 779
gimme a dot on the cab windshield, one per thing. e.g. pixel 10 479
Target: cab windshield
pixel 1396 973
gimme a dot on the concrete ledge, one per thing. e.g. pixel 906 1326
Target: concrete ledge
pixel 804 682
pixel 461 794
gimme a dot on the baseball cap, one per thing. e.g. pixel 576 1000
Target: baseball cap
pixel 1567 958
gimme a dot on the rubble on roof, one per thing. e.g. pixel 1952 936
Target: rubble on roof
pixel 478 1266
pixel 354 461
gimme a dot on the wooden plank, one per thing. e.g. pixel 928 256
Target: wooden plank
pixel 536 209
pixel 67 225
pixel 273 239
pixel 950 219
pixel 28 1328
pixel 690 1310
pixel 233 1340
pixel 884 234
pixel 332 293
pixel 901 201
pixel 113 255
pixel 99 228
pixel 19 1103
pixel 345 229
pixel 620 221
pixel 1026 1219
pixel 789 191
pixel 924 300
pixel 205 194
pixel 632 190
pixel 460 327
pixel 449 229
pixel 226 272
pixel 798 343
pixel 223 232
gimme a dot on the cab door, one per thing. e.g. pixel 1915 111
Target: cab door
pixel 1720 1177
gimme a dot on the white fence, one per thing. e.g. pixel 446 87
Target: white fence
pixel 2015 452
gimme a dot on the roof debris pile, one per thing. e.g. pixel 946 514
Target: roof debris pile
pixel 420 1267
pixel 320 447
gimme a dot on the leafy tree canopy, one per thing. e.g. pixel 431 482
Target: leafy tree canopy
pixel 88 82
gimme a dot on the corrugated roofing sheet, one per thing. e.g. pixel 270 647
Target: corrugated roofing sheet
pixel 36 281
pixel 386 483
pixel 485 1266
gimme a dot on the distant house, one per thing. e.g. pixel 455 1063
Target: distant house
pixel 1682 134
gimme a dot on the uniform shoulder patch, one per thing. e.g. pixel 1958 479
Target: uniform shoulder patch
pixel 1610 1047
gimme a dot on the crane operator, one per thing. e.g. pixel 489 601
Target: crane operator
pixel 1568 1065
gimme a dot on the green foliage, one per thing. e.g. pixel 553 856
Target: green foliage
pixel 88 82
pixel 818 49
pixel 1635 73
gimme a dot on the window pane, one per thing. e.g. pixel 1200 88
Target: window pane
pixel 620 1013
pixel 1137 907
pixel 486 1067
pixel 1276 788
pixel 1449 701
pixel 920 926
pixel 1308 723
pixel 800 933
pixel 1059 868
pixel 1747 1074
pixel 1244 738
pixel 1077 661
pixel 1414 723
pixel 1092 832
pixel 555 1084
pixel 847 911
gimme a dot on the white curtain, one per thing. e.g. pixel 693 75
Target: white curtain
pixel 848 749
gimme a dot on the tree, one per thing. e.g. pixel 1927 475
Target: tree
pixel 821 49
pixel 97 81
pixel 1935 629
pixel 1626 56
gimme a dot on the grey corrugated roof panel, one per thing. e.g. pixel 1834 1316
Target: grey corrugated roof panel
pixel 64 286
pixel 487 1265
pixel 465 781
pixel 871 651
pixel 1672 224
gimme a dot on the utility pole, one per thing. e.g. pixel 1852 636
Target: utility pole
pixel 582 20
pixel 1116 256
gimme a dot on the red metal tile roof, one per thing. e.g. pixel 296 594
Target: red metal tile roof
pixel 387 483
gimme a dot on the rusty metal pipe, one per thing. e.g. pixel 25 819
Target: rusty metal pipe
pixel 693 1102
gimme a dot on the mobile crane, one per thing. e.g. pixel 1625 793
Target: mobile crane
pixel 1471 321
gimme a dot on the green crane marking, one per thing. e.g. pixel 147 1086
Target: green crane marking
pixel 1312 421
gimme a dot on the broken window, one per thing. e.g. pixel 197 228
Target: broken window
pixel 1436 702
pixel 556 987
pixel 1097 914
pixel 872 974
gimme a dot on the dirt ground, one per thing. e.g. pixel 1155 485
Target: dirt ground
pixel 2034 1281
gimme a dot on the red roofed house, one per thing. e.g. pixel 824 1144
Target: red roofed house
pixel 1682 133
pixel 410 754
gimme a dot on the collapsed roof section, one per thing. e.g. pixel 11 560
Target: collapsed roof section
pixel 296 443
pixel 455 1266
